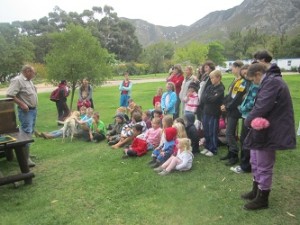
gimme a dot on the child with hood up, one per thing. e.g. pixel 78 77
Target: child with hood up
pixel 192 132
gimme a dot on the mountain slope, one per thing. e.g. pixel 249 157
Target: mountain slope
pixel 273 17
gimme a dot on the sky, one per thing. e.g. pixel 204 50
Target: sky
pixel 158 12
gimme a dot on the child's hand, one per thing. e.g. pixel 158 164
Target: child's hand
pixel 162 153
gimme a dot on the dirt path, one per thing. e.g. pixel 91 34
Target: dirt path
pixel 45 87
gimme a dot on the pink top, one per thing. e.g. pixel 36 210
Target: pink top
pixel 152 136
pixel 191 102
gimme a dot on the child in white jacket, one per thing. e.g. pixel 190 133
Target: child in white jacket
pixel 182 161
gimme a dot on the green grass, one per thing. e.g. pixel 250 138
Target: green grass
pixel 87 183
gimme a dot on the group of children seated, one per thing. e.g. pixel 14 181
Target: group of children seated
pixel 171 142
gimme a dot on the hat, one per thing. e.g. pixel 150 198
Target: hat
pixel 170 133
pixel 120 115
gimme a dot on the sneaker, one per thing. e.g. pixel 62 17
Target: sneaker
pixel 164 172
pixel 30 163
pixel 209 154
pixel 204 151
pixel 125 156
pixel 237 169
pixel 158 169
pixel 156 164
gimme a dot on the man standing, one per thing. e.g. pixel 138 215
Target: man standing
pixel 24 93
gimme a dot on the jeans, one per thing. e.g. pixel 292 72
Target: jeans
pixel 124 100
pixel 56 133
pixel 27 120
pixel 211 126
pixel 231 135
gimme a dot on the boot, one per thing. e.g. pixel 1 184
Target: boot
pixel 260 202
pixel 252 194
pixel 29 161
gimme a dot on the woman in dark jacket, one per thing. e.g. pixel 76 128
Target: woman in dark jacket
pixel 273 103
pixel 61 104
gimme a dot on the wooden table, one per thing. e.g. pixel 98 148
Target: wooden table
pixel 18 146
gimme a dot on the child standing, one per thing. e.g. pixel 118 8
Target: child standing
pixel 157 97
pixel 191 99
pixel 182 161
pixel 168 99
pixel 161 154
pixel 212 101
pixel 125 89
pixel 97 130
pixel 139 145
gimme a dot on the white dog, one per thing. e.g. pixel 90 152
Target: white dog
pixel 70 125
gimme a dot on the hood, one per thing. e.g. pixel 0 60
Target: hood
pixel 274 70
pixel 189 119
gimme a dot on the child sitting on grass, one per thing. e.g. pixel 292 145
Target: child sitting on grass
pixel 113 136
pixel 153 135
pixel 182 161
pixel 126 133
pixel 97 129
pixel 162 153
pixel 139 145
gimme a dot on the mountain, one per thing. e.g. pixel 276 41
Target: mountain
pixel 272 17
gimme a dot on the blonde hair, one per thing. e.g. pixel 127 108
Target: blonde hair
pixel 172 85
pixel 159 91
pixel 89 110
pixel 181 133
pixel 184 144
pixel 156 120
pixel 216 74
pixel 190 68
pixel 167 121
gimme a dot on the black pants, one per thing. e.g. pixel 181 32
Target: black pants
pixel 232 123
pixel 245 152
pixel 98 137
pixel 177 108
pixel 62 110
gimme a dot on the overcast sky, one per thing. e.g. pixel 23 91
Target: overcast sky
pixel 158 12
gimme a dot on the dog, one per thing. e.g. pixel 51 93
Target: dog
pixel 70 125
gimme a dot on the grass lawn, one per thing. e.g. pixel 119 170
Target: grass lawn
pixel 88 183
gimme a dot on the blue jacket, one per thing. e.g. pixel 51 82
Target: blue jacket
pixel 170 108
pixel 249 100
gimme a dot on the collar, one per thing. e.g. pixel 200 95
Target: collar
pixel 23 77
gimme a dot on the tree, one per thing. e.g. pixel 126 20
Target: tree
pixel 15 50
pixel 77 54
pixel 215 53
pixel 194 52
pixel 156 54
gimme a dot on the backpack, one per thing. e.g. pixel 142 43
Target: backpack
pixel 54 96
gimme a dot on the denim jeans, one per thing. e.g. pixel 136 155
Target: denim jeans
pixel 56 133
pixel 124 100
pixel 27 120
pixel 210 127
pixel 231 135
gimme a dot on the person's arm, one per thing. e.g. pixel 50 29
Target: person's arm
pixel 265 101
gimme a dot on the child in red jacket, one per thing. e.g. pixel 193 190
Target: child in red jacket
pixel 138 146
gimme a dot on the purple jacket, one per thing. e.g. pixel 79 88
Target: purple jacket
pixel 273 102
